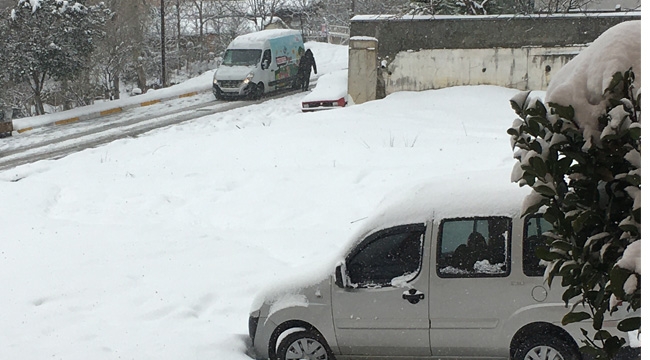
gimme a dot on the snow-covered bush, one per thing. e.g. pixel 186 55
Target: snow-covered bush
pixel 582 161
pixel 465 7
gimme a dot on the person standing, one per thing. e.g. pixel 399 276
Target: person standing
pixel 307 62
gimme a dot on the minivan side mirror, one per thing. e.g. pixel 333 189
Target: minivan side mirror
pixel 339 275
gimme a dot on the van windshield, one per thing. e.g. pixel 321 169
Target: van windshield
pixel 248 57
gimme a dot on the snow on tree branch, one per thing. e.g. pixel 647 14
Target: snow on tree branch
pixel 582 82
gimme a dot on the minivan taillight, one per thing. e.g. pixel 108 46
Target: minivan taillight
pixel 341 102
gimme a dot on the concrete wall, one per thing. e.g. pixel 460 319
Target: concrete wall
pixel 523 68
pixel 521 52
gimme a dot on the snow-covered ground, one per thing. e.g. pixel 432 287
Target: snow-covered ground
pixel 154 247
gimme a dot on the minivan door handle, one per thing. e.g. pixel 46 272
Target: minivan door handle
pixel 413 296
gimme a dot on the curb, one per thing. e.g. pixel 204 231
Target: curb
pixel 9 127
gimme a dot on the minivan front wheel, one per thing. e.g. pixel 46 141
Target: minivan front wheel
pixel 304 345
pixel 546 347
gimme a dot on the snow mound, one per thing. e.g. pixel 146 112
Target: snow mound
pixel 581 83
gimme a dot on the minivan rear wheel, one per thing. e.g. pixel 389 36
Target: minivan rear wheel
pixel 546 347
pixel 306 345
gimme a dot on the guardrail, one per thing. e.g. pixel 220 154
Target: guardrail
pixel 9 127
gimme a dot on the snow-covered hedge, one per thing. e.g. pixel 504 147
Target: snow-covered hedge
pixel 580 153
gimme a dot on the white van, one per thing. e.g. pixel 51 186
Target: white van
pixel 259 62
pixel 445 271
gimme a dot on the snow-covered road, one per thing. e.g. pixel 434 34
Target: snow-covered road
pixel 52 142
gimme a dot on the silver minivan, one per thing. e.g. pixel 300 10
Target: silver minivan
pixel 446 270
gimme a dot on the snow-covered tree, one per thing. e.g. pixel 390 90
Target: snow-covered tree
pixel 339 12
pixel 468 7
pixel 120 48
pixel 559 6
pixel 206 16
pixel 262 11
pixel 308 13
pixel 336 12
pixel 49 39
pixel 581 155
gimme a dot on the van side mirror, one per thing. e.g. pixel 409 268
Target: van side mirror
pixel 339 276
pixel 265 64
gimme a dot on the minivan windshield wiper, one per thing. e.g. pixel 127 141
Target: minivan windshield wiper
pixel 234 57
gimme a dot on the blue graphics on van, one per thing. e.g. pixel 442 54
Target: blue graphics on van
pixel 286 56
pixel 285 50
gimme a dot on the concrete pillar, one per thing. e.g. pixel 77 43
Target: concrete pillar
pixel 362 69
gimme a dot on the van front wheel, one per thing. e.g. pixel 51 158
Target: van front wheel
pixel 546 347
pixel 217 93
pixel 257 92
pixel 304 345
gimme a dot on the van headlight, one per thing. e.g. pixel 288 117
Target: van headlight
pixel 248 78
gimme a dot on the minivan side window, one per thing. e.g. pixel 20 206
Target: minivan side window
pixel 535 227
pixel 386 256
pixel 474 247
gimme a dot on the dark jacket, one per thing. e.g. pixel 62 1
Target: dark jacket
pixel 307 62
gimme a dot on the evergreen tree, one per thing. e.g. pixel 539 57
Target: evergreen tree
pixel 592 197
pixel 46 39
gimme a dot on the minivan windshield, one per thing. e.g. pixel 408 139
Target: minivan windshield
pixel 245 57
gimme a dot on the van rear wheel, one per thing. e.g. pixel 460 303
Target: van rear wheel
pixel 546 347
pixel 304 345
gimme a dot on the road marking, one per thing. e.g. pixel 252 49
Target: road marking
pixel 66 121
pixel 188 94
pixel 110 111
pixel 147 103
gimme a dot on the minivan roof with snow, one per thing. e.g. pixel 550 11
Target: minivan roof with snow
pixel 473 193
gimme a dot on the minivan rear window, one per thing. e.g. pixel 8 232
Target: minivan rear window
pixel 474 247
pixel 535 227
